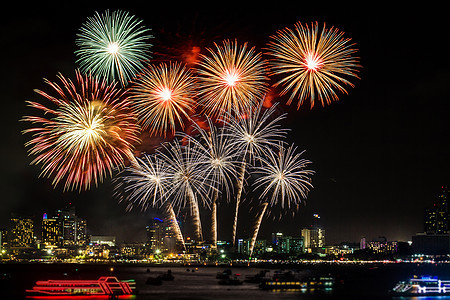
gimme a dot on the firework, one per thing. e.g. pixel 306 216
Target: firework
pixel 146 183
pixel 87 134
pixel 251 135
pixel 220 160
pixel 162 95
pixel 285 177
pixel 113 46
pixel 314 64
pixel 189 185
pixel 231 79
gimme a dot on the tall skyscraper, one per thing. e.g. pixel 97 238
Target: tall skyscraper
pixel 22 233
pixel 68 226
pixel 3 240
pixel 51 232
pixel 64 229
pixel 155 234
pixel 437 217
pixel 81 236
pixel 314 236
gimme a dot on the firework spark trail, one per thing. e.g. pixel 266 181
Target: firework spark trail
pixel 174 224
pixel 113 46
pixel 87 134
pixel 214 220
pixel 162 95
pixel 314 65
pixel 285 176
pixel 231 79
pixel 251 136
pixel 213 145
pixel 258 225
pixel 238 200
pixel 195 211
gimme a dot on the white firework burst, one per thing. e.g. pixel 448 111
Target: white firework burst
pixel 113 45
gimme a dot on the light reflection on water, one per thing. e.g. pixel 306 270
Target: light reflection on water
pixel 422 298
pixel 355 282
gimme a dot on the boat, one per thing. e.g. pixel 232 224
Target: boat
pixel 288 281
pixel 104 286
pixel 424 285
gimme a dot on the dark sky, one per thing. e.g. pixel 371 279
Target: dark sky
pixel 381 153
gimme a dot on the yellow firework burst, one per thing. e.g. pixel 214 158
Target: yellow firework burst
pixel 231 79
pixel 314 64
pixel 162 95
pixel 86 133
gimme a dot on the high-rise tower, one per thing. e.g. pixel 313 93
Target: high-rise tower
pixel 437 217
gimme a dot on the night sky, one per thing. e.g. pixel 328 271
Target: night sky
pixel 381 153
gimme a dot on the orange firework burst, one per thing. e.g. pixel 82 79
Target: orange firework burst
pixel 314 64
pixel 162 95
pixel 87 134
pixel 232 80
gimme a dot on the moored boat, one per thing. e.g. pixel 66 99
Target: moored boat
pixel 425 285
pixel 104 286
pixel 290 282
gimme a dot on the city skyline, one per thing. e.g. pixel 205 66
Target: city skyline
pixel 435 221
pixel 380 152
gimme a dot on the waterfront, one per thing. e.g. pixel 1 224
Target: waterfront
pixel 353 281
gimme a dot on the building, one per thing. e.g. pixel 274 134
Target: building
pixel 170 243
pixel 314 238
pixel 51 232
pixel 81 237
pixel 437 217
pixel 132 250
pixel 243 246
pixel 65 229
pixel 224 247
pixel 362 243
pixel 296 245
pixel 108 240
pixel 381 245
pixel 3 241
pixel 260 247
pixel 338 250
pixel 435 240
pixel 21 234
pixel 155 234
pixel 73 229
pixel 68 227
pixel 276 236
pixel 293 245
pixel 161 236
pixel 431 244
